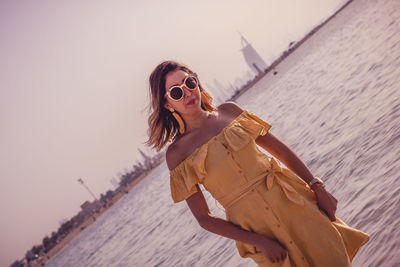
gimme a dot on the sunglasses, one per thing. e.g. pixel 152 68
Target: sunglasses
pixel 176 93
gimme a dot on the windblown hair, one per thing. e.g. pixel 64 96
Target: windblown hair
pixel 162 125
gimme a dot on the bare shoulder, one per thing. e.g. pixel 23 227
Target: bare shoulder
pixel 172 155
pixel 230 108
pixel 178 150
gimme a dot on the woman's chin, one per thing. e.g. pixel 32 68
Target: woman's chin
pixel 193 104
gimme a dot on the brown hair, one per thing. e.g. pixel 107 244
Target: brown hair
pixel 162 125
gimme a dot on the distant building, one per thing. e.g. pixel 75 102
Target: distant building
pixel 253 59
pixel 89 208
pixel 222 90
pixel 114 182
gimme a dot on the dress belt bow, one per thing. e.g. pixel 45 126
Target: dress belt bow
pixel 274 174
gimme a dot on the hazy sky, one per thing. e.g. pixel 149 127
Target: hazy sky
pixel 73 87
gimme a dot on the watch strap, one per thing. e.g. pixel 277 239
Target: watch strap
pixel 315 180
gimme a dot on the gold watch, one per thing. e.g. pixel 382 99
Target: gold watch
pixel 316 180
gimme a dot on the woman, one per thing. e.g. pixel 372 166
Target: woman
pixel 275 218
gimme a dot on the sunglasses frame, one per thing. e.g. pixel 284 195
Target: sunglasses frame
pixel 181 87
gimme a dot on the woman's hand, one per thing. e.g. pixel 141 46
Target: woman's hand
pixel 271 249
pixel 326 202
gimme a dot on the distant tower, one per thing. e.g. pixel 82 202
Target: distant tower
pixel 87 188
pixel 148 162
pixel 253 59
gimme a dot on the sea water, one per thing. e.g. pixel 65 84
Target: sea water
pixel 336 103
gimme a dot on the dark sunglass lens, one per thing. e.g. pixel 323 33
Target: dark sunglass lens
pixel 191 83
pixel 175 93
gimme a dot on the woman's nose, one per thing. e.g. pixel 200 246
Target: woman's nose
pixel 186 90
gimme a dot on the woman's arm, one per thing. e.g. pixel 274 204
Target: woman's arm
pixel 198 205
pixel 273 145
pixel 282 152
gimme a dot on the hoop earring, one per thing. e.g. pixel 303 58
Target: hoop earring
pixel 206 101
pixel 179 120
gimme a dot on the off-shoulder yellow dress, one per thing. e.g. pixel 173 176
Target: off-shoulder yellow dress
pixel 260 196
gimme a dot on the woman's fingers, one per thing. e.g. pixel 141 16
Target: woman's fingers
pixel 280 258
pixel 333 211
pixel 272 250
pixel 332 216
pixel 330 213
pixel 282 255
pixel 327 203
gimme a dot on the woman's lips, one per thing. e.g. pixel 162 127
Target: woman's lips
pixel 191 102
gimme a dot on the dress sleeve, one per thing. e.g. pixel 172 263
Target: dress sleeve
pixel 255 125
pixel 183 184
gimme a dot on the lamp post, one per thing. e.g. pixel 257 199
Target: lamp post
pixel 87 188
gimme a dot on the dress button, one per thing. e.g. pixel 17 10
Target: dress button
pixel 302 258
pixel 252 190
pixel 291 242
pixel 278 225
pixel 266 208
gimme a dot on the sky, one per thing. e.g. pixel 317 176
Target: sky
pixel 74 92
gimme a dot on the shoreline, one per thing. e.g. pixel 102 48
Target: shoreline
pixel 271 69
pixel 77 231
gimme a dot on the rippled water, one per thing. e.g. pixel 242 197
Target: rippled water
pixel 336 103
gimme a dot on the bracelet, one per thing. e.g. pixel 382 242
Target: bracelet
pixel 314 181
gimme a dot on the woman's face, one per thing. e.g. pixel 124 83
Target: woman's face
pixel 191 98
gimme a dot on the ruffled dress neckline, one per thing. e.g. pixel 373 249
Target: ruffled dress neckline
pixel 209 141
